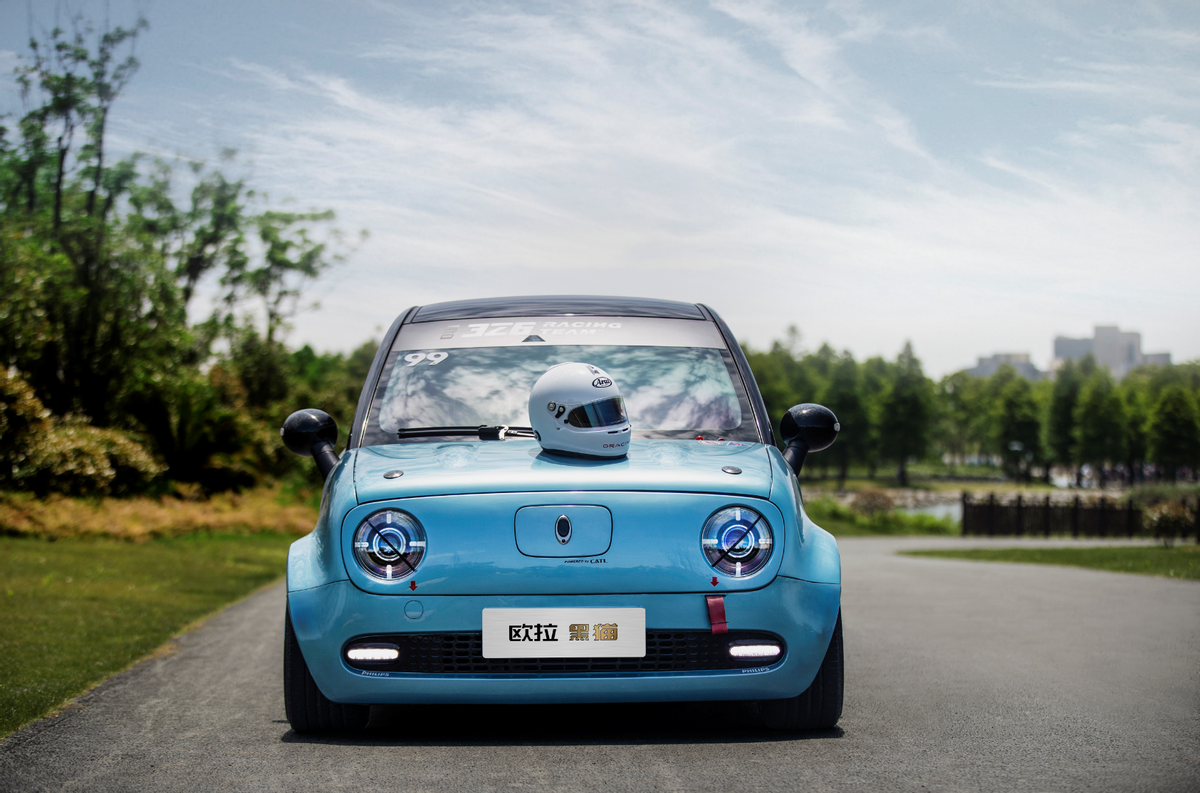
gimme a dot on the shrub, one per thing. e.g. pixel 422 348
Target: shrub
pixel 75 458
pixel 22 419
pixel 1169 520
pixel 1159 493
pixel 44 454
pixel 870 501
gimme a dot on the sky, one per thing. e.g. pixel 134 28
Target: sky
pixel 973 177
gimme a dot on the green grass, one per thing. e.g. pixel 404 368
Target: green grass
pixel 74 611
pixel 1180 561
pixel 841 521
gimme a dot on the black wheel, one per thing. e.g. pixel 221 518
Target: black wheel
pixel 818 708
pixel 307 708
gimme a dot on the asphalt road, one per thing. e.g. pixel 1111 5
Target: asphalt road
pixel 960 676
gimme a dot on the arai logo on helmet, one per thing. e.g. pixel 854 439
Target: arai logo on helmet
pixel 601 382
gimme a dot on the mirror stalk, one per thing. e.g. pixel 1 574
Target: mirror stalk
pixel 325 457
pixel 794 455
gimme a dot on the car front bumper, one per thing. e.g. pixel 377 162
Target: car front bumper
pixel 326 617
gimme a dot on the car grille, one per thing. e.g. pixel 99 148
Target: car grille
pixel 462 653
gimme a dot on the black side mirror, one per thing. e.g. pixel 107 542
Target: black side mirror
pixel 807 428
pixel 312 433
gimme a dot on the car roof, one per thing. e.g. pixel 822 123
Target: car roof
pixel 557 306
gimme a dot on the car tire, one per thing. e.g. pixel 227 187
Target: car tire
pixel 818 708
pixel 307 708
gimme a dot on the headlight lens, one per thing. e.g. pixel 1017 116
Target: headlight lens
pixel 737 541
pixel 389 545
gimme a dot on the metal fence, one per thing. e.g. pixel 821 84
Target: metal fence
pixel 1043 517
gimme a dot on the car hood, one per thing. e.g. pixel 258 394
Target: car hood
pixel 431 469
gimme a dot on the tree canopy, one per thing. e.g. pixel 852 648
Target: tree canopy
pixel 101 258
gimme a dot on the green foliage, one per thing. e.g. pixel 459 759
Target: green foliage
pixel 844 397
pixel 1018 429
pixel 1135 403
pixel 1099 423
pixel 45 454
pixel 1174 430
pixel 98 262
pixel 1143 426
pixel 906 421
pixel 1162 492
pixel 1060 435
pixel 962 428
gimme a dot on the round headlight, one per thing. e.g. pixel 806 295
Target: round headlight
pixel 737 541
pixel 389 545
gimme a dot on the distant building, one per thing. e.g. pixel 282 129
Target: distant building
pixel 1017 360
pixel 1116 350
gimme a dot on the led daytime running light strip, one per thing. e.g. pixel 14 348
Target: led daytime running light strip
pixel 755 650
pixel 372 654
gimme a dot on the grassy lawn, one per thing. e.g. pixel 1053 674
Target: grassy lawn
pixel 1180 561
pixel 74 611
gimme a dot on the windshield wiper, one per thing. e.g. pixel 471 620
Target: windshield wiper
pixel 484 432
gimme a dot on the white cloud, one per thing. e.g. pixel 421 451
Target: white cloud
pixel 654 152
pixel 747 155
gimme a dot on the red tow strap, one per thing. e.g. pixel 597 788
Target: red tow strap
pixel 716 613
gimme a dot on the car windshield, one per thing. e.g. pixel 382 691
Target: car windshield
pixel 671 389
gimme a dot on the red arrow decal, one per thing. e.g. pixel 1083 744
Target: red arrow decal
pixel 714 581
pixel 413 585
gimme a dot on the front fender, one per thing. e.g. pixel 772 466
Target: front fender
pixel 316 559
pixel 811 553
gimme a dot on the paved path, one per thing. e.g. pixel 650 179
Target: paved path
pixel 960 676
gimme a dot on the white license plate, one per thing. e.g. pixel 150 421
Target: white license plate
pixel 564 633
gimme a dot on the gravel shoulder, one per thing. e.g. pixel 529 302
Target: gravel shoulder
pixel 960 676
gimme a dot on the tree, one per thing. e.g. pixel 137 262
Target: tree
pixel 98 263
pixel 876 384
pixel 1099 424
pixel 97 307
pixel 961 421
pixel 1018 429
pixel 1135 400
pixel 843 397
pixel 1174 431
pixel 907 417
pixel 1060 424
pixel 785 376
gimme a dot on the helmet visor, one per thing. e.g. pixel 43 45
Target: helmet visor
pixel 601 413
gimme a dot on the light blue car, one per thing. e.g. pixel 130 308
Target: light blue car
pixel 456 561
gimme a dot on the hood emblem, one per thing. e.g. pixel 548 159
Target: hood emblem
pixel 562 530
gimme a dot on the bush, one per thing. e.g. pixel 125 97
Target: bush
pixel 75 458
pixel 1169 520
pixel 44 454
pixel 1160 493
pixel 870 501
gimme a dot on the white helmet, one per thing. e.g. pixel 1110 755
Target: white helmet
pixel 576 408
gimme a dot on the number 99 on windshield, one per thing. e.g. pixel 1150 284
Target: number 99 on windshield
pixel 434 358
